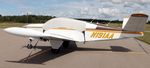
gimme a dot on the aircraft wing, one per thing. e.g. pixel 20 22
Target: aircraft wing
pixel 72 35
pixel 34 25
pixel 67 34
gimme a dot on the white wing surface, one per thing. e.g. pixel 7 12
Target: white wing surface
pixel 72 35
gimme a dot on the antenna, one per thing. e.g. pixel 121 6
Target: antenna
pixel 108 23
pixel 92 20
pixel 27 18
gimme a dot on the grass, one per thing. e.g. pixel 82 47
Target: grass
pixel 146 37
pixel 115 24
pixel 10 24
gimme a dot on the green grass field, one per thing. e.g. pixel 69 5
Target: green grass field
pixel 10 24
pixel 145 38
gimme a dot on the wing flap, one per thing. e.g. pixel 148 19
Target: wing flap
pixel 73 35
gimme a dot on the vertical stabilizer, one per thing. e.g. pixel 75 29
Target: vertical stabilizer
pixel 135 22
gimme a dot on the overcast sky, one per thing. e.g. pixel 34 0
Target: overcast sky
pixel 99 9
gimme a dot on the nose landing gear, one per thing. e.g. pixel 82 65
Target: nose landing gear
pixel 30 46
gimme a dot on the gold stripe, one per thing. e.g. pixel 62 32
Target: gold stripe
pixel 134 32
pixel 95 30
pixel 61 29
pixel 116 31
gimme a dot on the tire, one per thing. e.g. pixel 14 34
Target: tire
pixel 55 51
pixel 29 46
pixel 66 44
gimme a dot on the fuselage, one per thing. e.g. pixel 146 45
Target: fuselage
pixel 96 34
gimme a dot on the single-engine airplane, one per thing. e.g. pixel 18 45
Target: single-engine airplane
pixel 60 31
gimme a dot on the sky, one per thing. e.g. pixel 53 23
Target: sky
pixel 93 9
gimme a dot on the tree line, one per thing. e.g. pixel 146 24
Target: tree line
pixel 43 19
pixel 25 18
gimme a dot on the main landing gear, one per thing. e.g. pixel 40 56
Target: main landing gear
pixel 65 44
pixel 54 50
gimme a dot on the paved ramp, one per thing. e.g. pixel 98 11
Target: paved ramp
pixel 124 53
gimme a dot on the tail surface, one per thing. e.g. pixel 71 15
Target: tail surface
pixel 135 23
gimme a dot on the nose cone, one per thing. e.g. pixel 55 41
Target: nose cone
pixel 15 30
pixel 11 30
pixel 7 29
pixel 24 32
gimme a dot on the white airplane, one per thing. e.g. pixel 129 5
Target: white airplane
pixel 60 31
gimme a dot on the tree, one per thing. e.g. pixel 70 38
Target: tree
pixel 148 22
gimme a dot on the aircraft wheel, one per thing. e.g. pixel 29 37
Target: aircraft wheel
pixel 55 51
pixel 29 46
pixel 65 44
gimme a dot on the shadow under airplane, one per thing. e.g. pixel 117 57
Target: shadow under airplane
pixel 45 54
